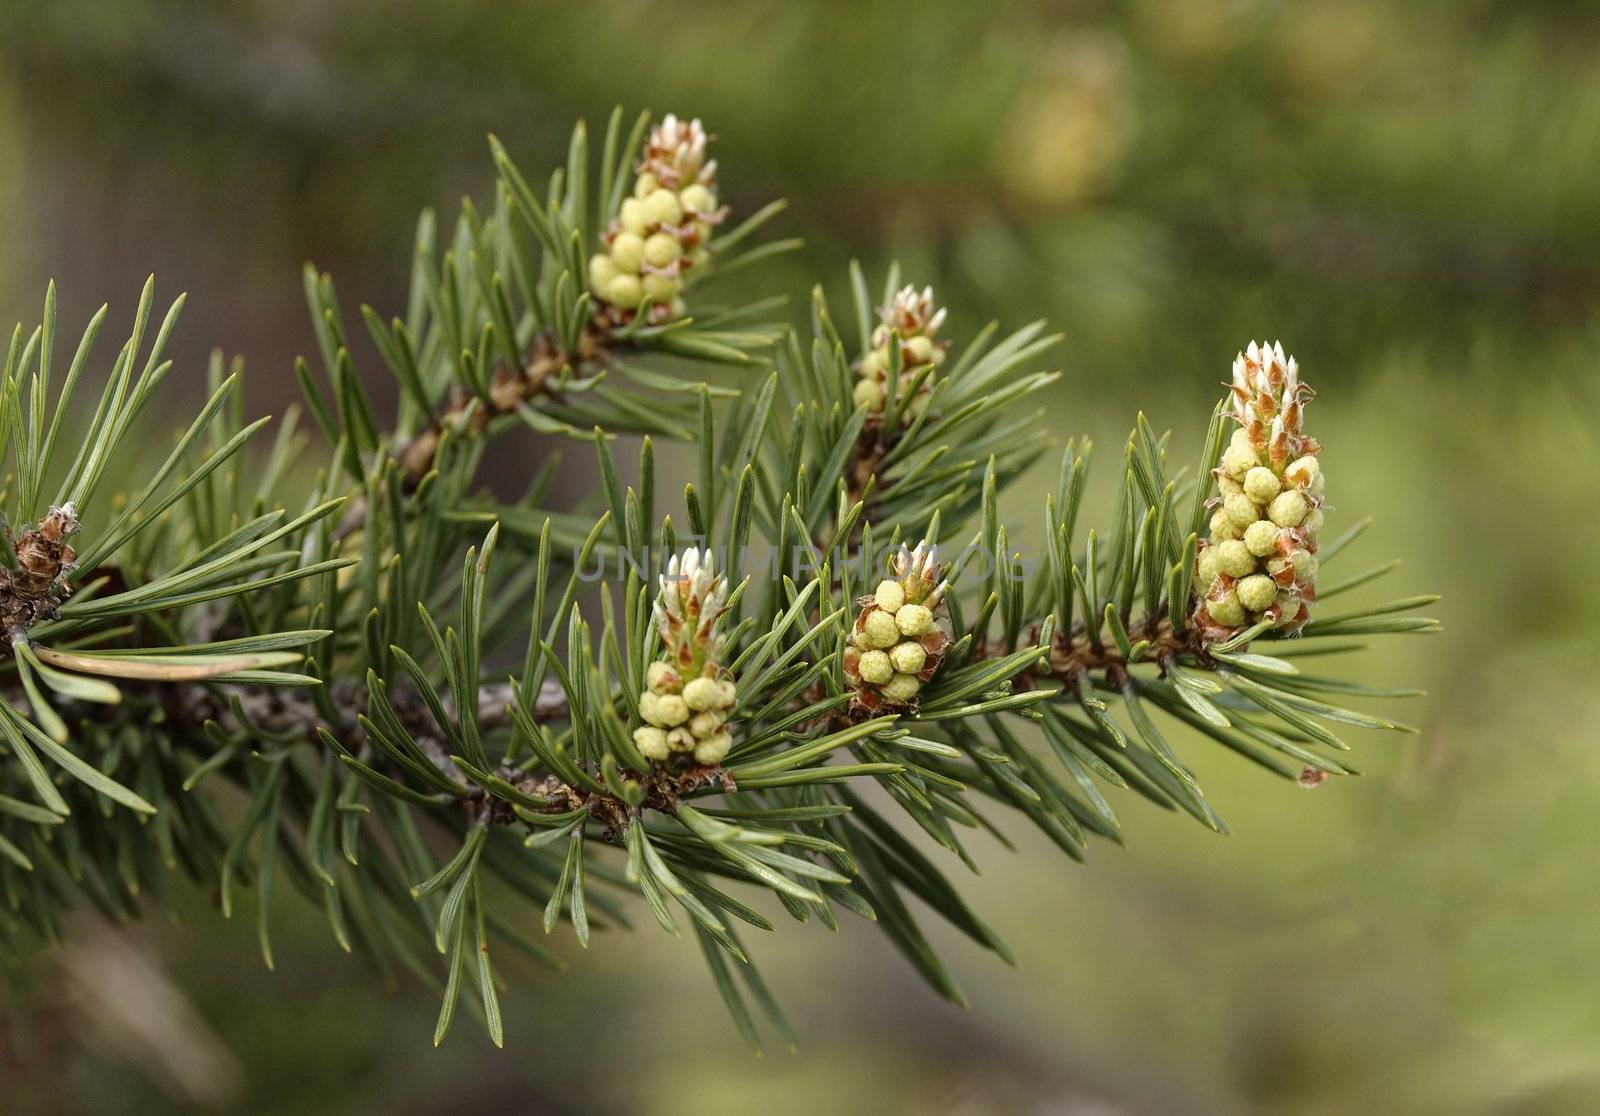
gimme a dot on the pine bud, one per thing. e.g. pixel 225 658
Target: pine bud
pixel 602 270
pixel 902 688
pixel 1234 558
pixel 627 252
pixel 625 290
pixel 1257 592
pixel 876 667
pixel 1227 609
pixel 671 710
pixel 1241 510
pixel 1259 563
pixel 1222 527
pixel 1261 485
pixel 909 325
pixel 897 644
pixel 881 629
pixel 908 657
pixel 657 238
pixel 661 249
pixel 913 620
pixel 1288 509
pixel 661 289
pixel 686 701
pixel 647 706
pixel 889 596
pixel 1261 538
pixel 869 394
pixel 1237 461
pixel 632 217
pixel 697 199
pixel 651 742
pixel 698 693
pixel 663 208
pixel 714 749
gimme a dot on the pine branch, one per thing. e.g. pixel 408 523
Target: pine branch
pixel 697 728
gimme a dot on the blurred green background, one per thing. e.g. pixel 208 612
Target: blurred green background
pixel 1403 192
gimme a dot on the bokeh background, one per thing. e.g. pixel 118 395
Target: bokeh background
pixel 1404 192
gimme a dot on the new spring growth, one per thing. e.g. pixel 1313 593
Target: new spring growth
pixel 911 324
pixel 658 237
pixel 1260 561
pixel 898 643
pixel 687 697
